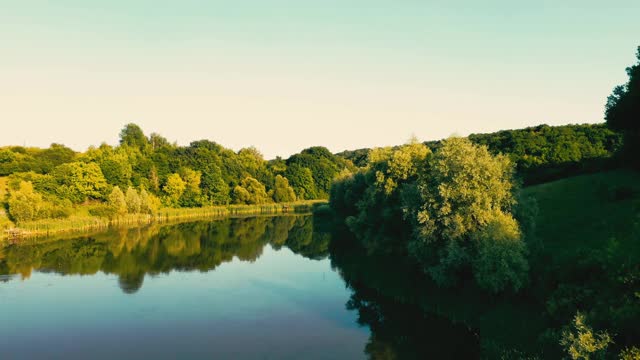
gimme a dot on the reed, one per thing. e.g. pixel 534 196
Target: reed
pixel 82 222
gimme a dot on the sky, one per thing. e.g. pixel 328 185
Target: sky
pixel 283 75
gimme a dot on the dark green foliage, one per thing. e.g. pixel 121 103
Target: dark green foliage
pixel 541 153
pixel 622 112
pixel 323 165
pixel 19 159
pixel 282 192
pixel 132 135
pixel 450 211
pixel 544 153
pixel 301 179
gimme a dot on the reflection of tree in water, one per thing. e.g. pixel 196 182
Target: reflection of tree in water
pixel 410 317
pixel 130 283
pixel 405 331
pixel 133 253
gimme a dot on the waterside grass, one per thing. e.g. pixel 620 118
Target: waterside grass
pixel 82 222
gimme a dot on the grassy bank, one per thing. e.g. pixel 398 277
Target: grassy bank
pixel 81 221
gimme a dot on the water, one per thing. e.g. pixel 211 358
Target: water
pixel 253 288
pixel 285 287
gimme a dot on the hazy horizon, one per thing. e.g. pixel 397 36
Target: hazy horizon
pixel 284 76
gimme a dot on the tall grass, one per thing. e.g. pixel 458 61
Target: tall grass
pixel 83 222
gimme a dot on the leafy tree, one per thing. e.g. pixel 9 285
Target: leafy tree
pixel 282 191
pixel 78 181
pixel 374 200
pixel 25 204
pixel 580 342
pixel 117 202
pixel 117 169
pixel 250 191
pixel 157 141
pixel 467 197
pixel 301 179
pixel 632 353
pixel 501 255
pixel 622 111
pixel 132 135
pixel 192 196
pixel 323 166
pixel 149 204
pixel 173 189
pixel 134 202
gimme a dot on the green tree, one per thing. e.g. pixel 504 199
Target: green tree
pixel 173 189
pixel 78 181
pixel 622 110
pixel 192 195
pixel 250 191
pixel 581 342
pixel 149 204
pixel 500 259
pixel 282 192
pixel 467 197
pixel 132 135
pixel 117 169
pixel 25 204
pixel 301 179
pixel 134 202
pixel 117 202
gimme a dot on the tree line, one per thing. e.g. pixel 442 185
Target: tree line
pixel 541 153
pixel 454 207
pixel 144 173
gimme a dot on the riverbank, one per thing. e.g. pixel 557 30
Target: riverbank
pixel 86 223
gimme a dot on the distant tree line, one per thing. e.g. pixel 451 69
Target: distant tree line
pixel 144 173
pixel 541 153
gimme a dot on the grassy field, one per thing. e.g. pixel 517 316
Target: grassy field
pixel 590 212
pixel 589 260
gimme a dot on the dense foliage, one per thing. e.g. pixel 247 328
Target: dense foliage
pixel 450 210
pixel 144 172
pixel 540 153
pixel 580 300
pixel 623 111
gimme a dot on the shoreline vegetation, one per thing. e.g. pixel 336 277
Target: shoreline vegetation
pixel 79 224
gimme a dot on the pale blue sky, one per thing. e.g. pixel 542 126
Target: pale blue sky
pixel 283 75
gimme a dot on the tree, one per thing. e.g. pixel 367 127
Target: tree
pixel 250 191
pixel 134 202
pixel 117 169
pixel 149 204
pixel 173 189
pixel 467 197
pixel 116 202
pixel 374 200
pixel 622 110
pixel 192 196
pixel 157 141
pixel 282 192
pixel 132 135
pixel 323 166
pixel 25 204
pixel 301 179
pixel 500 261
pixel 580 342
pixel 79 181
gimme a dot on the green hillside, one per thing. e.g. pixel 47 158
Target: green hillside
pixel 588 212
pixel 588 259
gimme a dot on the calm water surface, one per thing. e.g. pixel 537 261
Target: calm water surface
pixel 254 288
